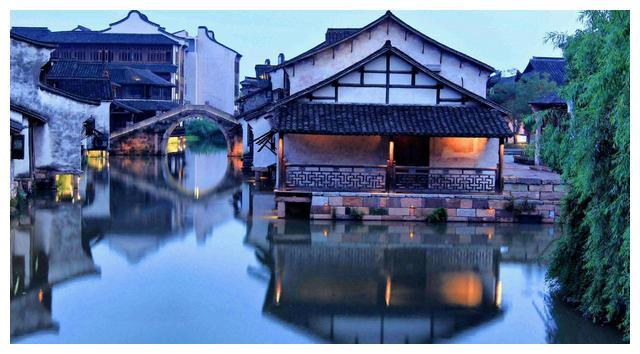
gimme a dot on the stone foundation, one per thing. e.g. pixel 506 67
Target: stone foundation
pixel 522 200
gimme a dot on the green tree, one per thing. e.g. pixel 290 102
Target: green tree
pixel 590 265
pixel 516 95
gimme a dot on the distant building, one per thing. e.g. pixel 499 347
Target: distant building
pixel 554 70
pixel 149 69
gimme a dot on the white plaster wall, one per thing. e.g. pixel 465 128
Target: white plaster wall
pixel 21 167
pixel 265 157
pixel 308 73
pixel 57 143
pixel 133 24
pixel 464 152
pixel 190 72
pixel 335 149
pixel 377 95
pixel 214 73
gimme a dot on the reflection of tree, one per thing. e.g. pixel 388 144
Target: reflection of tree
pixel 564 325
pixel 206 146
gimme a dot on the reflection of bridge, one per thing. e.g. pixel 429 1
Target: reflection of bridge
pixel 150 211
pixel 150 136
pixel 154 177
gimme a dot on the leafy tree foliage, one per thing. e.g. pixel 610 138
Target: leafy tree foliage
pixel 591 263
pixel 516 95
pixel 201 128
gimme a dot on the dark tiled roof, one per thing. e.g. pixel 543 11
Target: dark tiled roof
pixel 94 89
pixel 25 39
pixel 15 126
pixel 133 76
pixel 43 34
pixel 149 105
pixel 156 68
pixel 28 112
pixel 78 98
pixel 262 68
pixel 552 99
pixel 370 119
pixel 76 69
pixel 554 67
pixel 337 34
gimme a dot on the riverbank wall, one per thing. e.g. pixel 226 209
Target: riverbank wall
pixel 522 200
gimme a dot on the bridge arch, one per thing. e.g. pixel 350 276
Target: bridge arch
pixel 150 136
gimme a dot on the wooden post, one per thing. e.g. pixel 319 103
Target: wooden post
pixel 281 167
pixel 500 166
pixel 391 170
pixel 538 133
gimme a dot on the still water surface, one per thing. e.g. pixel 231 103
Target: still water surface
pixel 182 250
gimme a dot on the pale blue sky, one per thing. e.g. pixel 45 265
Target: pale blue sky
pixel 503 39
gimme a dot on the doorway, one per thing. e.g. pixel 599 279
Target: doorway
pixel 412 151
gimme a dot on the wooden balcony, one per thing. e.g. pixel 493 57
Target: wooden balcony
pixel 391 178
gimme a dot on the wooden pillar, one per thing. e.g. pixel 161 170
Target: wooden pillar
pixel 281 166
pixel 500 166
pixel 391 167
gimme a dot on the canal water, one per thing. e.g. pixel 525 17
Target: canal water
pixel 182 249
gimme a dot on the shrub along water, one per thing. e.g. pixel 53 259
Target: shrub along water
pixel 590 265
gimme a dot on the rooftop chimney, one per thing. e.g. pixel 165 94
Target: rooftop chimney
pixel 280 58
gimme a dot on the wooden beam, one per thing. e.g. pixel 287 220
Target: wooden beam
pixel 390 71
pixel 281 166
pixel 391 162
pixel 388 76
pixel 346 84
pixel 500 166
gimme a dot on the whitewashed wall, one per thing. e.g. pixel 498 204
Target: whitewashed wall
pixel 311 71
pixel 21 167
pixel 57 143
pixel 264 158
pixel 335 149
pixel 210 71
pixel 464 152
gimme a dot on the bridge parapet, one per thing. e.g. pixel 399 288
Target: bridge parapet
pixel 150 136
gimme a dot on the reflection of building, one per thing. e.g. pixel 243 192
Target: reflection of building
pixel 44 254
pixel 350 294
pixel 391 282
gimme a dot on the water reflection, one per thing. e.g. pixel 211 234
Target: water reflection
pixel 46 250
pixel 142 260
pixel 388 282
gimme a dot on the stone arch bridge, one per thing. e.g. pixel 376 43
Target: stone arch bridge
pixel 150 136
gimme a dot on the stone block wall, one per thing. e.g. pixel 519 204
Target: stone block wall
pixel 523 199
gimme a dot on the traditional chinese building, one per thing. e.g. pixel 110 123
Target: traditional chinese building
pixel 149 69
pixel 47 122
pixel 378 109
